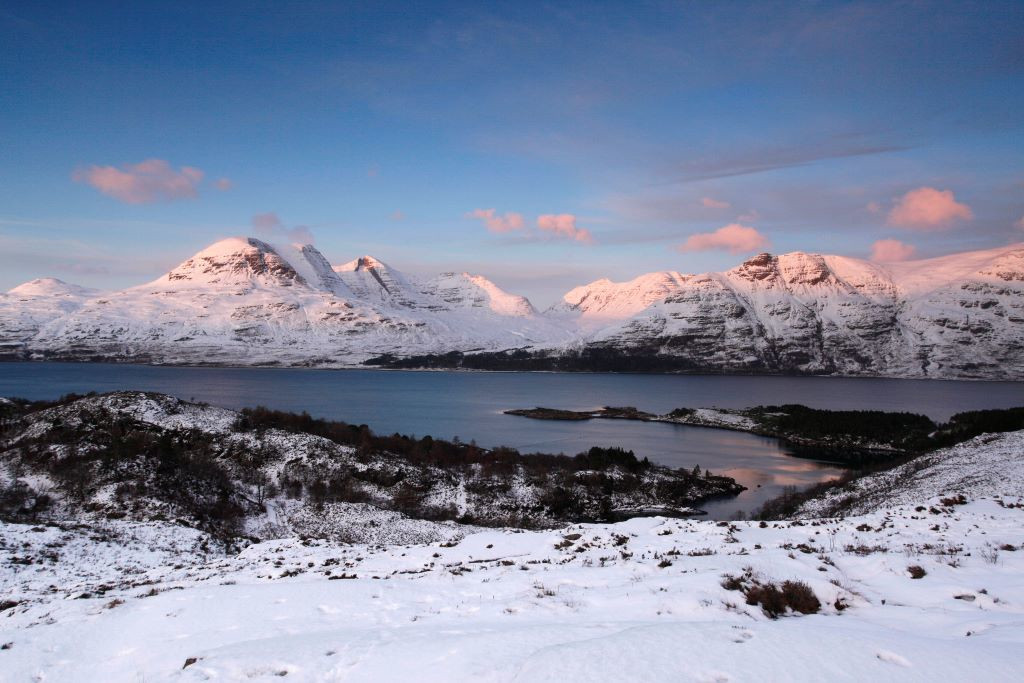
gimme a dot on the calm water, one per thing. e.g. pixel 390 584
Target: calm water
pixel 470 405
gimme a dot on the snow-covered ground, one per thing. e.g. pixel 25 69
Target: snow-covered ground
pixel 636 601
pixel 713 417
pixel 985 465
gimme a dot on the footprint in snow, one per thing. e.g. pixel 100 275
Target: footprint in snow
pixel 743 636
pixel 892 658
pixel 716 677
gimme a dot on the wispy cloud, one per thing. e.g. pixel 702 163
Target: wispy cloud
pixel 763 160
pixel 710 203
pixel 510 222
pixel 270 226
pixel 734 238
pixel 928 209
pixel 224 184
pixel 148 181
pixel 887 251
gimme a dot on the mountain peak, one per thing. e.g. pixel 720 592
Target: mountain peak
pixel 761 267
pixel 464 290
pixel 235 261
pixel 362 263
pixel 49 286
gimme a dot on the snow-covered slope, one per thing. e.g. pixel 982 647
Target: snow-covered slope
pixel 50 287
pixel 26 308
pixel 604 300
pixel 373 280
pixel 925 589
pixel 956 316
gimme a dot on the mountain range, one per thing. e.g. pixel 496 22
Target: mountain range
pixel 243 301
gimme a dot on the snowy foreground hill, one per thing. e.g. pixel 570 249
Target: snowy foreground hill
pixel 920 583
pixel 242 301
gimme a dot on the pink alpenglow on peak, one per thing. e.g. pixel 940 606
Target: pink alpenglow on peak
pixel 149 181
pixel 928 209
pixel 892 251
pixel 50 286
pixel 510 222
pixel 564 225
pixel 734 238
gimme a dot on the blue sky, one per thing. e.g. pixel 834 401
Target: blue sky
pixel 380 129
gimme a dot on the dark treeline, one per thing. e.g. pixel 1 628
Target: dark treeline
pixel 899 430
pixel 905 432
pixel 587 359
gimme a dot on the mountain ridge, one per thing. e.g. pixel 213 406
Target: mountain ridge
pixel 249 302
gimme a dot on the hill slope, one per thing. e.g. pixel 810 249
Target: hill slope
pixel 920 589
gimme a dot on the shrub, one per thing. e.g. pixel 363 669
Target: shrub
pixel 800 597
pixel 916 572
pixel 775 600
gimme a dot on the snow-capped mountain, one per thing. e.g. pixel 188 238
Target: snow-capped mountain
pixel 27 307
pixel 244 301
pixel 954 316
pixel 603 301
pixel 372 280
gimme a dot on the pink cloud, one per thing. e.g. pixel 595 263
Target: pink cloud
pixel 928 209
pixel 224 184
pixel 888 251
pixel 509 222
pixel 1020 223
pixel 711 203
pixel 398 215
pixel 269 226
pixel 148 181
pixel 564 225
pixel 734 238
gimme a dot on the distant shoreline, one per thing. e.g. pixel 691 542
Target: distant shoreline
pixel 361 366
